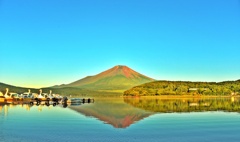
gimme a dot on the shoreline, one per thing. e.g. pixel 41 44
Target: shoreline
pixel 178 97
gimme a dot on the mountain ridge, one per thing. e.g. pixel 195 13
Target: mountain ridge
pixel 119 77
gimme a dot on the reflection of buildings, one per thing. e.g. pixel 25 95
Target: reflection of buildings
pixel 116 113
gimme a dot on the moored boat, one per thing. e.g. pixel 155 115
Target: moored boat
pixel 74 100
pixel 41 96
pixel 2 99
pixel 7 95
pixel 80 100
pixel 26 95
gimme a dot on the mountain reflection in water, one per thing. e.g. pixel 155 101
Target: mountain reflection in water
pixel 142 120
pixel 113 111
pixel 163 105
pixel 123 112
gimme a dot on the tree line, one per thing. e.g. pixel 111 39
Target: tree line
pixel 158 88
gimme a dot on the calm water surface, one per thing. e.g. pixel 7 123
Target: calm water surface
pixel 123 120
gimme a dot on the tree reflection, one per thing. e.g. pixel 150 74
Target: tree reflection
pixel 230 104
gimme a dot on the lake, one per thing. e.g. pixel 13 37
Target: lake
pixel 124 119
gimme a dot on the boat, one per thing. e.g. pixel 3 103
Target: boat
pixel 74 100
pixel 41 96
pixel 26 94
pixel 2 98
pixel 14 96
pixel 79 100
pixel 10 97
pixel 5 97
pixel 53 97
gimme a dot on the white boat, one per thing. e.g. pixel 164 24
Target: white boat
pixel 26 95
pixel 11 96
pixel 14 95
pixel 54 97
pixel 41 96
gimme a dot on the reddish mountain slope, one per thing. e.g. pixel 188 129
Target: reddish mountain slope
pixel 116 78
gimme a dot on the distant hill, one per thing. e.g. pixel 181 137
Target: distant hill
pixel 66 91
pixel 185 88
pixel 16 89
pixel 116 78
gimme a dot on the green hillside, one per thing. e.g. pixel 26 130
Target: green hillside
pixel 66 91
pixel 118 82
pixel 158 88
pixel 16 89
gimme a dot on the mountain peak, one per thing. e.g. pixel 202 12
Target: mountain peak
pixel 120 66
pixel 122 70
pixel 116 78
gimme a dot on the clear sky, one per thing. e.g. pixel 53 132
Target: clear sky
pixel 49 42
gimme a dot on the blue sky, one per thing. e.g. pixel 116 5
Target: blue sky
pixel 49 42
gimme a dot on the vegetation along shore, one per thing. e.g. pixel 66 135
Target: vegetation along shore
pixel 185 88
